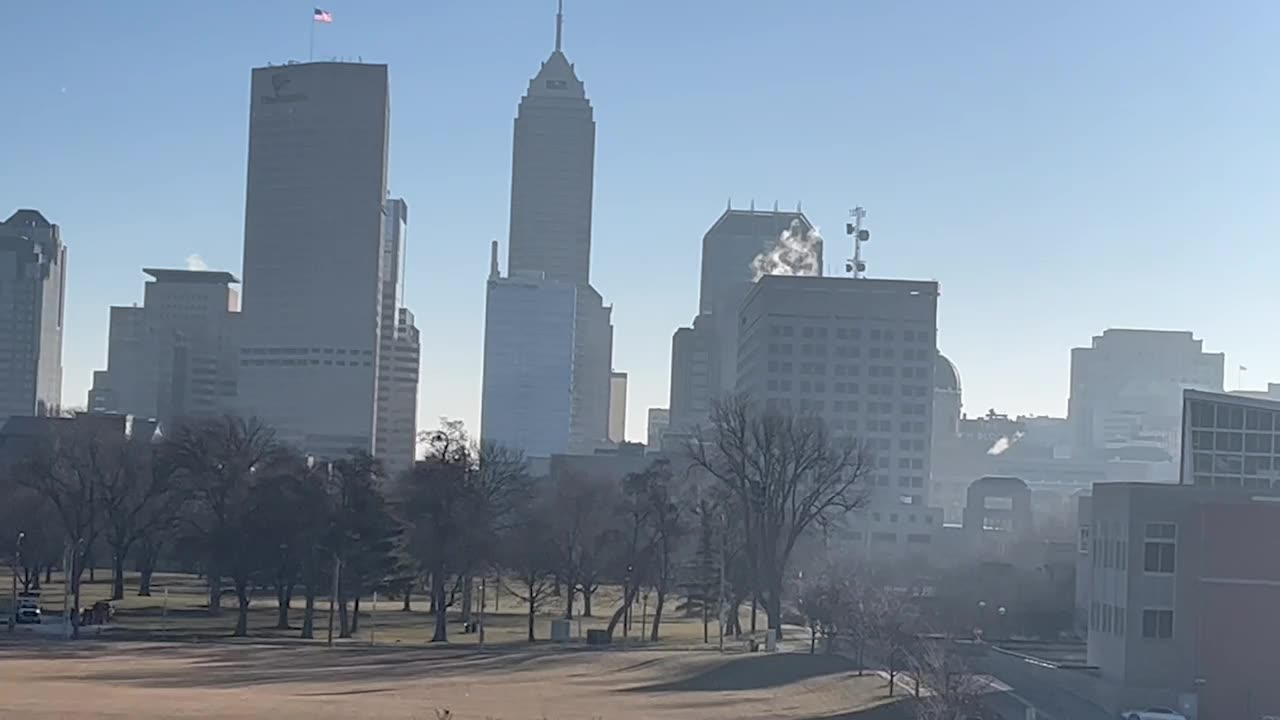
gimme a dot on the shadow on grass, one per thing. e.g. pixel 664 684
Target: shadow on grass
pixel 754 672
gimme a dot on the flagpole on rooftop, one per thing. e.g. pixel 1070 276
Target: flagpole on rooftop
pixel 311 46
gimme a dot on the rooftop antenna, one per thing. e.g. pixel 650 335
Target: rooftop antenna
pixel 855 265
pixel 559 24
pixel 493 260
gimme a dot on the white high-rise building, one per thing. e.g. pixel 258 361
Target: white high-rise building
pixel 617 407
pixel 1126 395
pixel 176 357
pixel 548 267
pixel 317 179
pixel 33 272
pixel 860 354
pixel 398 352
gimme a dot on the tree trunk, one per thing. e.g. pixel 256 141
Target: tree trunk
pixel 75 602
pixel 355 616
pixel 629 598
pixel 586 601
pixel 531 638
pixel 773 611
pixel 753 613
pixel 242 609
pixel 35 578
pixel 466 600
pixel 408 595
pixel 215 592
pixel 437 601
pixel 344 627
pixel 308 614
pixel 284 594
pixel 813 640
pixel 48 573
pixel 568 603
pixel 117 576
pixel 657 614
pixel 735 617
pixel 144 580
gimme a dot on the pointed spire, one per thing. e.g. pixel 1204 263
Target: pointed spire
pixel 559 24
pixel 493 260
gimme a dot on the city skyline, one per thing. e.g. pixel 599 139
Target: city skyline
pixel 994 280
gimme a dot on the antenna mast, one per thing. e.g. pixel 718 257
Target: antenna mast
pixel 559 23
pixel 855 265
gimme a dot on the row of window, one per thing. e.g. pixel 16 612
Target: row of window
pixel 304 362
pixel 1157 623
pixel 1230 417
pixel 850 333
pixel 1235 442
pixel 304 351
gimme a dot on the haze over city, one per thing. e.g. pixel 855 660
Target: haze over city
pixel 849 360
pixel 1048 167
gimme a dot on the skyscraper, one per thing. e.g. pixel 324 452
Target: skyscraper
pixel 704 355
pixel 398 352
pixel 176 357
pixel 317 179
pixel 552 171
pixel 33 271
pixel 617 407
pixel 860 354
pixel 544 323
pixel 1126 395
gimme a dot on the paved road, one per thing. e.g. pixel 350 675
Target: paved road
pixel 1029 684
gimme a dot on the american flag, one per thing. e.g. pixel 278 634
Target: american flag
pixel 323 16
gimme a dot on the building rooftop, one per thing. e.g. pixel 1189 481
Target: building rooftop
pixel 945 375
pixel 217 277
pixel 749 222
pixel 28 217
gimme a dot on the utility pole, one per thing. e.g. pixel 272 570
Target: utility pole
pixel 483 581
pixel 17 560
pixel 720 609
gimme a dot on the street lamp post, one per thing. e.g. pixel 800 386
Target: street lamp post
pixel 982 616
pixel 1001 611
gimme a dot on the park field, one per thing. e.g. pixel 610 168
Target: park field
pixel 52 680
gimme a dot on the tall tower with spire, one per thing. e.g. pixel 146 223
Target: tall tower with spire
pixel 552 173
pixel 548 343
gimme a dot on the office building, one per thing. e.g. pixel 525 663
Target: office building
pixel 1183 589
pixel 33 272
pixel 860 354
pixel 395 442
pixel 177 356
pixel 552 174
pixel 548 264
pixel 528 363
pixel 704 355
pixel 617 407
pixel 1234 441
pixel 313 252
pixel 659 419
pixel 1126 395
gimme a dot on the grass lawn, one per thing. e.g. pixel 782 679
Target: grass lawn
pixel 239 680
pixel 184 615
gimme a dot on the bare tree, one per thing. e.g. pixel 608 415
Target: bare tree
pixel 531 558
pixel 455 503
pixel 665 524
pixel 584 511
pixel 217 460
pixel 952 690
pixel 139 502
pixel 787 473
pixel 67 463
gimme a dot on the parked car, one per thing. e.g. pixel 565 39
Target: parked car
pixel 29 610
pixel 1154 713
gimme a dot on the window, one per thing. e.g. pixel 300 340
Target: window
pixel 1160 550
pixel 1157 624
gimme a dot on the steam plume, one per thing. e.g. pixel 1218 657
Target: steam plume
pixel 195 262
pixel 795 253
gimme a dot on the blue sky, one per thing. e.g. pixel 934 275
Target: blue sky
pixel 1060 168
